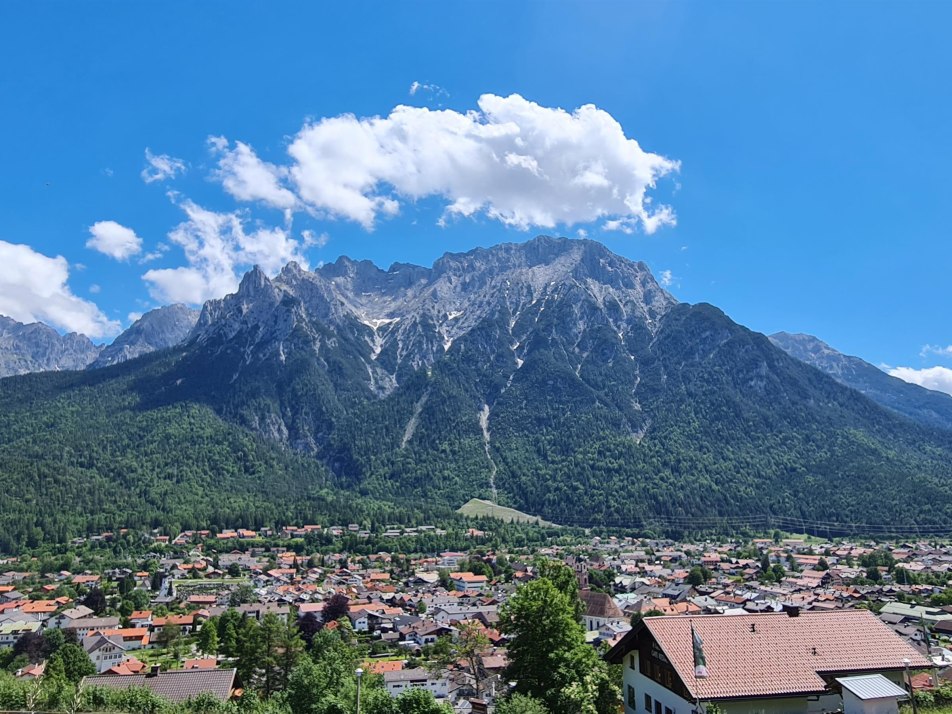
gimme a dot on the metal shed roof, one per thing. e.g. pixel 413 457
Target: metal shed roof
pixel 872 686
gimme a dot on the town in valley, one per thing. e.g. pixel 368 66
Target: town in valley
pixel 206 618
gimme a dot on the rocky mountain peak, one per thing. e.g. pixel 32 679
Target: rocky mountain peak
pixel 35 347
pixel 156 330
pixel 408 316
pixel 292 270
pixel 254 281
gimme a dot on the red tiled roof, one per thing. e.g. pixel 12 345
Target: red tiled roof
pixel 783 655
pixel 173 620
pixel 39 606
pixel 202 663
pixel 382 666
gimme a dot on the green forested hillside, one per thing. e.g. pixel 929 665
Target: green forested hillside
pixel 725 425
pixel 80 453
pixel 591 399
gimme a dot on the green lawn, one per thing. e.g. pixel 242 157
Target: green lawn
pixel 477 507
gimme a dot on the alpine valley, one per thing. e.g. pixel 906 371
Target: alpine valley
pixel 552 376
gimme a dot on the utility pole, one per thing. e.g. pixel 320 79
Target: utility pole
pixel 912 694
pixel 360 673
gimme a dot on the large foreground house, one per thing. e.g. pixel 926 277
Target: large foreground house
pixel 772 663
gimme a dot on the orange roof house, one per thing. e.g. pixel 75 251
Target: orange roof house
pixel 127 667
pixel 468 581
pixel 128 635
pixel 202 599
pixel 47 607
pixel 202 663
pixel 179 620
pixel 383 666
pixel 85 579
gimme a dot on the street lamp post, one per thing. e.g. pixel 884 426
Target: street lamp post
pixel 912 694
pixel 360 673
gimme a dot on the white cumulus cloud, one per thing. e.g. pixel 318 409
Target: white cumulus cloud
pixel 33 288
pixel 218 247
pixel 114 239
pixel 937 378
pixel 160 167
pixel 248 178
pixel 665 277
pixel 511 160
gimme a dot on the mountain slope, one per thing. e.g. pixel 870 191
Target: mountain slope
pixel 35 347
pixel 156 330
pixel 919 404
pixel 553 375
pixel 79 454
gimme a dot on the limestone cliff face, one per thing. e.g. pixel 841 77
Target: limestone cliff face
pixel 156 330
pixel 36 347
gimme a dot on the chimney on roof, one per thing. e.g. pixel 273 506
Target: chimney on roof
pixel 154 670
pixel 791 610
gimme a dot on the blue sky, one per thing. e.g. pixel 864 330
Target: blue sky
pixel 802 150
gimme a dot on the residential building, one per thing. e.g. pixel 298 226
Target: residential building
pixel 10 632
pixel 105 652
pixel 177 685
pixel 782 663
pixel 417 678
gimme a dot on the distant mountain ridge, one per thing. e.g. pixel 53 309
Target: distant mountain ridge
pixel 917 403
pixel 157 329
pixel 35 347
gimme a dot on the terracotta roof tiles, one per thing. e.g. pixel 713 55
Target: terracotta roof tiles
pixel 770 654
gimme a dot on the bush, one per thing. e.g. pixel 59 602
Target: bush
pixel 925 699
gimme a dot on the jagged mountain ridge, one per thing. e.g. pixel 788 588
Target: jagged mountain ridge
pixel 408 317
pixel 552 375
pixel 35 347
pixel 157 329
pixel 918 403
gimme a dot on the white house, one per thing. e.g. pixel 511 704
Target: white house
pixel 10 632
pixel 468 581
pixel 103 651
pixel 418 678
pixel 774 663
pixel 359 620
